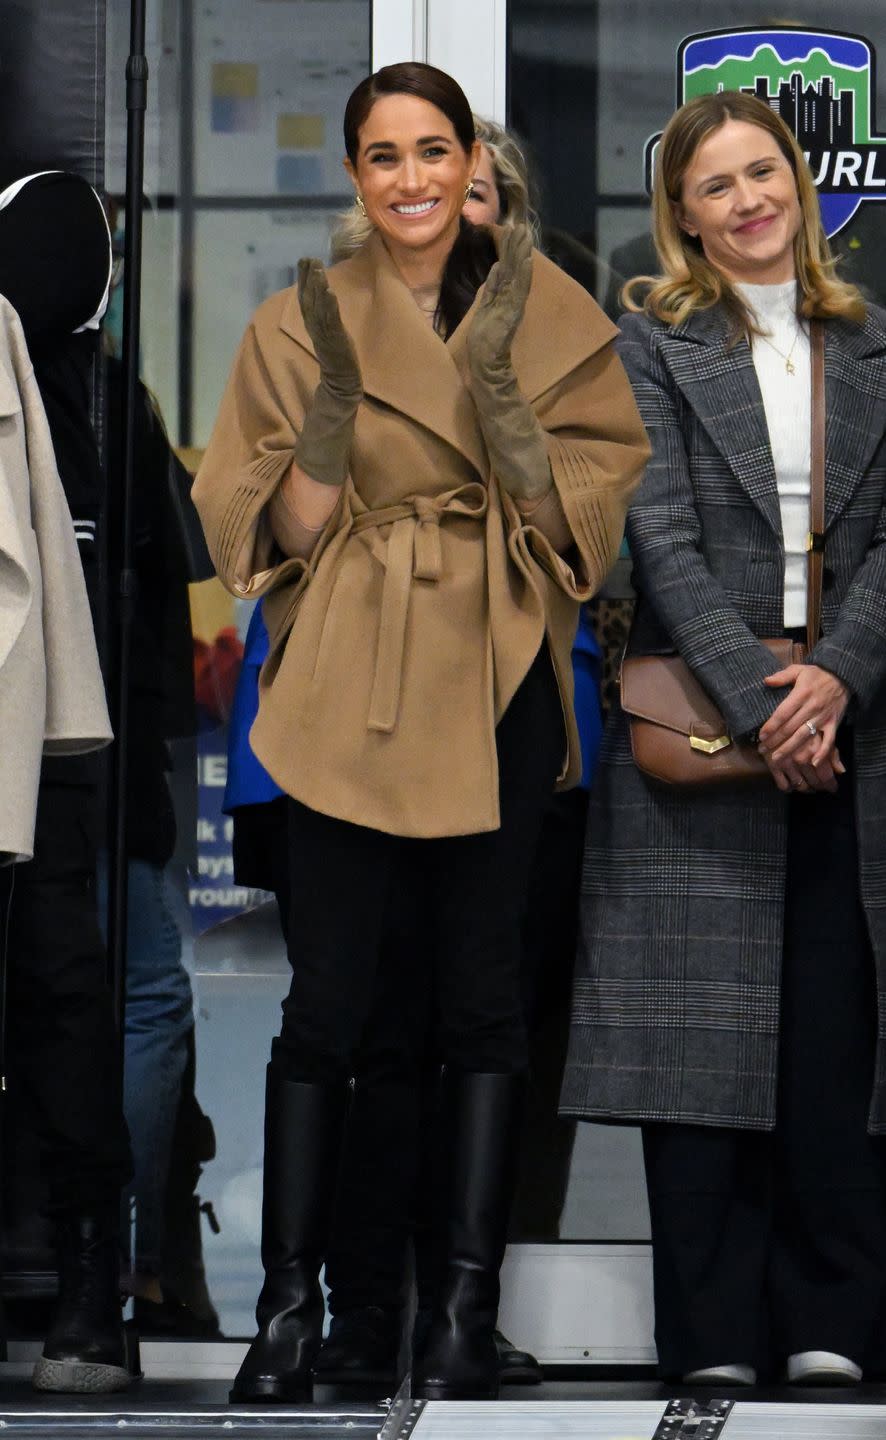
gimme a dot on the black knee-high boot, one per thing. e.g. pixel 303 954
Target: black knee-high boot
pixel 459 1360
pixel 303 1131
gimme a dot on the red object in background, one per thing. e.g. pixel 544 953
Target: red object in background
pixel 216 668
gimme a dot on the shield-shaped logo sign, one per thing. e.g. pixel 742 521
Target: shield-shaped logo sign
pixel 821 83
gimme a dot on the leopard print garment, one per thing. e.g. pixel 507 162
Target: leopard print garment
pixel 612 623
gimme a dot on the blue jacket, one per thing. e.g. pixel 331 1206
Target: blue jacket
pixel 249 783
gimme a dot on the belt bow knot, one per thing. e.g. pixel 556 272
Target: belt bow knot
pixel 411 551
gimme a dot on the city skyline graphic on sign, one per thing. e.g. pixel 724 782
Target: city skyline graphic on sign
pixel 820 83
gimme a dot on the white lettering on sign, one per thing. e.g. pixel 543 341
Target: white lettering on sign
pixel 204 898
pixel 823 168
pixel 870 179
pixel 215 865
pixel 212 770
pixel 846 168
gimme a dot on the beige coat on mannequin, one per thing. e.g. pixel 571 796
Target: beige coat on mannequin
pixel 52 698
pixel 396 649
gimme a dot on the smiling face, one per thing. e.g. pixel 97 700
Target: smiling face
pixel 412 173
pixel 483 206
pixel 739 198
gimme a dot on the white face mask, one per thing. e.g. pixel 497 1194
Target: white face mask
pixel 9 194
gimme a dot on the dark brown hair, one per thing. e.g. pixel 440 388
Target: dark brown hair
pixel 473 253
pixel 410 77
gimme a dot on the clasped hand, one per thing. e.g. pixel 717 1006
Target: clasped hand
pixel 797 758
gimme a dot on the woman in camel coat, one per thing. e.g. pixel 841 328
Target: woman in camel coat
pixel 424 475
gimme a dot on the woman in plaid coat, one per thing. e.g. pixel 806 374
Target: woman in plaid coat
pixel 733 943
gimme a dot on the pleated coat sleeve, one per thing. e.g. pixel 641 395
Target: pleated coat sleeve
pixel 249 453
pixel 598 450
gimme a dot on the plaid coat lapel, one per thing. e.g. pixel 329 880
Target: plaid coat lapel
pixel 855 384
pixel 720 386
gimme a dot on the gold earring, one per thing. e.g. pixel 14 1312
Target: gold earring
pixel 360 206
pixel 469 190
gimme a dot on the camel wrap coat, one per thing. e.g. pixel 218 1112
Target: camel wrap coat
pixel 678 977
pixel 396 648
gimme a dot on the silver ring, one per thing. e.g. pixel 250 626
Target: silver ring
pixel 812 727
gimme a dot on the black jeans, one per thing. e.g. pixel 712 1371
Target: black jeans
pixel 63 1049
pixel 346 885
pixel 765 1245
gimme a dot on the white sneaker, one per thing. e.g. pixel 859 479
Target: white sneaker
pixel 822 1367
pixel 722 1375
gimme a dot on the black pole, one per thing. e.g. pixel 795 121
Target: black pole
pixel 123 577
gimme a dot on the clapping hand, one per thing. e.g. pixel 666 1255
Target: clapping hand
pixel 322 450
pixel 514 438
pixel 501 306
pixel 323 322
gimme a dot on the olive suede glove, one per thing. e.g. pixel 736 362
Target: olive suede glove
pixel 514 438
pixel 323 448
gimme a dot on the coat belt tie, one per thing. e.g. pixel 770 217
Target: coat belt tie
pixel 411 551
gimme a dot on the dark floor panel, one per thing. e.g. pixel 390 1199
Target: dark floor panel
pixel 17 1395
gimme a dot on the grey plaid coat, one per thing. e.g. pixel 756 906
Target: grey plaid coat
pixel 676 1004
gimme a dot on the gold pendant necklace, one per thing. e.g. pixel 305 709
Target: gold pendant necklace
pixel 790 367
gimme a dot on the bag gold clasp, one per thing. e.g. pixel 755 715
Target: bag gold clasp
pixel 708 746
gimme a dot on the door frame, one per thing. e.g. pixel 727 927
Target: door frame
pixel 467 38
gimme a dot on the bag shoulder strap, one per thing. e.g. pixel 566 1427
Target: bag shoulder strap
pixel 815 539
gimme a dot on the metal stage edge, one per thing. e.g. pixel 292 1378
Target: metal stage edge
pixel 503 1420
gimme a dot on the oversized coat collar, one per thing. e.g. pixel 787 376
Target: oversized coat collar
pixel 407 366
pixel 720 384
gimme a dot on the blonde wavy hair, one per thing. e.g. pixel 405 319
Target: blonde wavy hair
pixel 689 282
pixel 511 181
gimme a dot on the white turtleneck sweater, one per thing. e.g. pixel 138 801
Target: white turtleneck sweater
pixel 787 401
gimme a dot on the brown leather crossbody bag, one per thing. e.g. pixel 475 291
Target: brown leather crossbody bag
pixel 678 735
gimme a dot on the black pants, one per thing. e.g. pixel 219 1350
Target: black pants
pixel 382 1205
pixel 394 1080
pixel 62 1044
pixel 345 887
pixel 769 1244
pixel 391 1121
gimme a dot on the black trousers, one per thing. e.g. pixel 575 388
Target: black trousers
pixel 63 1051
pixel 765 1245
pixel 346 885
pixel 394 1080
pixel 392 1121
